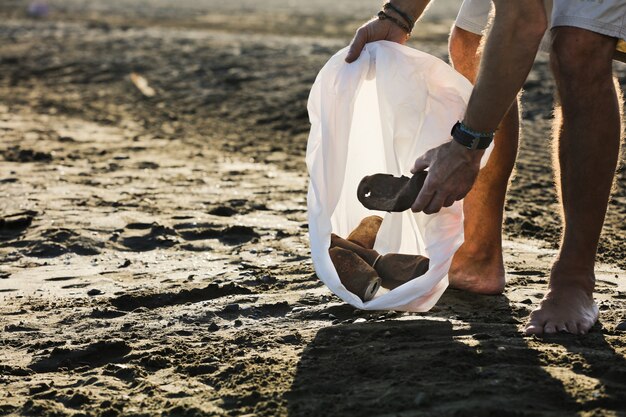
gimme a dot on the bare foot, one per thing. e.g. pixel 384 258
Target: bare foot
pixel 567 307
pixel 481 273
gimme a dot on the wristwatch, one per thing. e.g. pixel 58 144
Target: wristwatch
pixel 469 138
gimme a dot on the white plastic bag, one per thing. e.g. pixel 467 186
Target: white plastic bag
pixel 377 115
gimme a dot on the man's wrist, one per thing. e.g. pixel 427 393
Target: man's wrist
pixel 471 139
pixel 413 8
pixel 392 9
pixel 398 21
pixel 469 129
pixel 473 157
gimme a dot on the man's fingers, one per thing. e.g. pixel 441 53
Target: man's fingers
pixel 423 198
pixel 374 30
pixel 449 201
pixel 357 45
pixel 421 164
pixel 436 203
pixel 464 192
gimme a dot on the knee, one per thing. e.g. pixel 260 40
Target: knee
pixel 464 54
pixel 581 58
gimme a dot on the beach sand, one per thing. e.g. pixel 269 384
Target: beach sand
pixel 154 254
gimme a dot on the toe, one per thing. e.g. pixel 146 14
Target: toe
pixel 549 328
pixel 533 329
pixel 535 323
pixel 584 326
pixel 572 327
pixel 561 327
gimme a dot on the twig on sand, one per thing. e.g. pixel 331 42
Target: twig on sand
pixel 142 85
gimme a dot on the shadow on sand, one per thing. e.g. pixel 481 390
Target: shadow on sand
pixel 593 357
pixel 465 358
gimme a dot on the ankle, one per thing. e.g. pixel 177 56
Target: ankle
pixel 572 266
pixel 572 276
pixel 478 273
pixel 479 282
pixel 480 253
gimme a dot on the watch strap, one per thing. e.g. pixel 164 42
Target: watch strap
pixel 470 139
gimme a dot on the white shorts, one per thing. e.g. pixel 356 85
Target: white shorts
pixel 607 17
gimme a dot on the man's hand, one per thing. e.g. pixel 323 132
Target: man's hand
pixel 385 30
pixel 372 31
pixel 453 170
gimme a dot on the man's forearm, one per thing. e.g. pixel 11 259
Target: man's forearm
pixel 507 59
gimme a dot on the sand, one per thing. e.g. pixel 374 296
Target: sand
pixel 153 250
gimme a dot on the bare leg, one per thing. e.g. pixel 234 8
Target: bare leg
pixel 478 266
pixel 587 151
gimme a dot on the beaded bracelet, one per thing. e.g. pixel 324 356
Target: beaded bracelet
pixel 409 20
pixel 384 16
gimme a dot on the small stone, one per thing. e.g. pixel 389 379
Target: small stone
pixel 41 387
pixel 125 264
pixel 359 320
pixel 223 211
pixel 621 327
pixel 94 291
pixel 268 279
pixel 238 323
pixel 213 327
pixel 231 308
pixel 292 339
pixel 419 398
